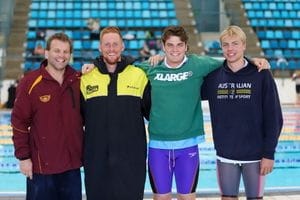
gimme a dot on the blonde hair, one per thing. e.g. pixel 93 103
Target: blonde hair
pixel 110 29
pixel 232 31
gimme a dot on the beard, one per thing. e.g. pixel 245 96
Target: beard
pixel 111 61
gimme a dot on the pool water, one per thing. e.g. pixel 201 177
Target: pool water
pixel 286 174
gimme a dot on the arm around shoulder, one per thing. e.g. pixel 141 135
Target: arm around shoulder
pixel 146 101
pixel 208 64
pixel 272 115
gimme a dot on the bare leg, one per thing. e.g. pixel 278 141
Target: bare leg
pixel 230 198
pixel 167 196
pixel 191 196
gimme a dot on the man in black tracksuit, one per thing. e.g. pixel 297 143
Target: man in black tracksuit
pixel 116 97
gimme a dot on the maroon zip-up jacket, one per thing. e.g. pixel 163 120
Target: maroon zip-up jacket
pixel 46 121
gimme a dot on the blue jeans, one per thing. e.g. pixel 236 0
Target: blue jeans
pixel 63 186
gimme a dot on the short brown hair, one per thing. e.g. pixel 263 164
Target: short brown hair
pixel 231 31
pixel 110 29
pixel 174 31
pixel 61 37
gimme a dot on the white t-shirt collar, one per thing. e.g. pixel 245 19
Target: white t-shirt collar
pixel 168 66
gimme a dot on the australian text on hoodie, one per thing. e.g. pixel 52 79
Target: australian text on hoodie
pixel 245 112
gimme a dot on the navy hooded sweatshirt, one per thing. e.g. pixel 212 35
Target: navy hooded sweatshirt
pixel 245 112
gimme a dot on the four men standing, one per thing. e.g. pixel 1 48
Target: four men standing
pixel 47 124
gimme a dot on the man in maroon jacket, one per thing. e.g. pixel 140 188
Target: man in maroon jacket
pixel 47 126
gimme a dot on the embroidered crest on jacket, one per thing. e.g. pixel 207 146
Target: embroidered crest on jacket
pixel 45 98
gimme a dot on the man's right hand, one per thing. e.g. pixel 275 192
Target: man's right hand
pixel 154 60
pixel 26 168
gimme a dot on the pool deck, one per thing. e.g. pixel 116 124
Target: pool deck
pixel 268 196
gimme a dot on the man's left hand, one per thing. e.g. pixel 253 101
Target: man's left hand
pixel 261 63
pixel 266 166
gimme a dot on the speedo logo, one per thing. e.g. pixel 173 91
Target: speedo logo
pixel 91 88
pixel 192 154
pixel 173 77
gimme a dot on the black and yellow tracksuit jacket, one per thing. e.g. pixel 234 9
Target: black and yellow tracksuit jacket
pixel 113 106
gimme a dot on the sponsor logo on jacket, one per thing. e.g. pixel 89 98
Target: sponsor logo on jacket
pixel 45 98
pixel 173 76
pixel 132 87
pixel 91 88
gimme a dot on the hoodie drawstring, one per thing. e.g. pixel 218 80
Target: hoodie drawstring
pixel 171 159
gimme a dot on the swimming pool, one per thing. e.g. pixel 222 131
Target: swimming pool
pixel 286 175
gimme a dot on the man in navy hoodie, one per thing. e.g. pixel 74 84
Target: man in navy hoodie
pixel 246 118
